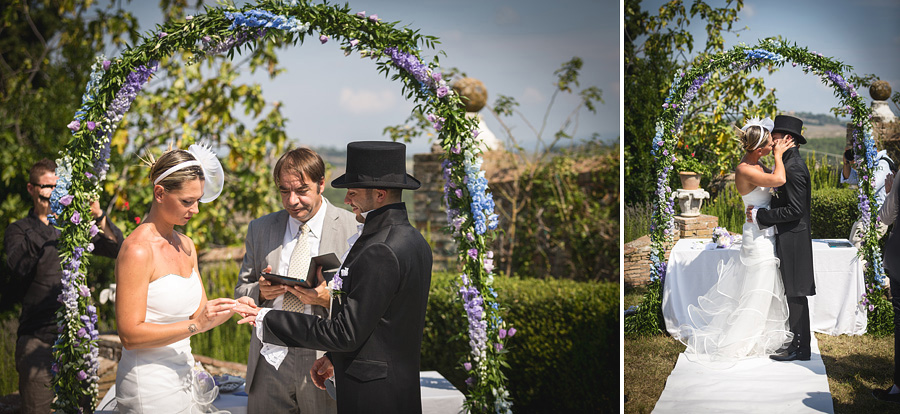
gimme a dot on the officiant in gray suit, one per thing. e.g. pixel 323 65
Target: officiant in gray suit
pixel 283 243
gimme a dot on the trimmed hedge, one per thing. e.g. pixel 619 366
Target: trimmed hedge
pixel 833 212
pixel 563 358
pixel 565 354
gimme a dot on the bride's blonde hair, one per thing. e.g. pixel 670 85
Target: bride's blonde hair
pixel 169 159
pixel 753 138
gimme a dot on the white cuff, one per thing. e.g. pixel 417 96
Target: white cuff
pixel 753 216
pixel 273 354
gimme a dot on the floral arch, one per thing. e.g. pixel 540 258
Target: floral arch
pixel 115 83
pixel 684 88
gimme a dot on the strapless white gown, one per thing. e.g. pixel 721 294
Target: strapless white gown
pixel 745 314
pixel 160 380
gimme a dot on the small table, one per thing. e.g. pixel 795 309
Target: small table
pixel 834 310
pixel 439 396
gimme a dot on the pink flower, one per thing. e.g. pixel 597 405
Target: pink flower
pixel 323 39
pixel 163 34
pixel 436 76
pixel 511 332
pixel 66 200
pixel 475 133
pixel 361 14
pixel 489 254
pixel 442 91
pixel 467 366
pixel 354 42
pixel 498 347
pixel 74 125
pixel 502 333
pixel 488 265
pixel 106 64
pixel 665 105
pixel 91 125
pixel 373 18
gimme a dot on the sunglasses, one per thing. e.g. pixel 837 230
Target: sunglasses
pixel 43 186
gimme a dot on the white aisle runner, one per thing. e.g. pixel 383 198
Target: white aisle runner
pixel 758 385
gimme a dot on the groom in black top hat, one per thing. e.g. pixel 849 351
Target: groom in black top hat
pixel 789 213
pixel 374 335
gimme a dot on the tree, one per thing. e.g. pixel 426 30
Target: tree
pixel 657 47
pixel 46 52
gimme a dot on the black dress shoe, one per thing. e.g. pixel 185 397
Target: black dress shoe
pixel 885 395
pixel 791 356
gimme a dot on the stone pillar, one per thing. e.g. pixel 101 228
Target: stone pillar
pixel 696 227
pixel 429 211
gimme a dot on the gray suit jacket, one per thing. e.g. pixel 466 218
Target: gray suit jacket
pixel 263 248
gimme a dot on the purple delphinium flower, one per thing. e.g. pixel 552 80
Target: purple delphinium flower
pixel 337 281
pixel 323 39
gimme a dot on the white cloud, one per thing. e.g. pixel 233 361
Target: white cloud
pixel 506 15
pixel 454 35
pixel 532 96
pixel 358 102
pixel 749 10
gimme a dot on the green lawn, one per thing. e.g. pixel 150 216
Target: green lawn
pixel 855 365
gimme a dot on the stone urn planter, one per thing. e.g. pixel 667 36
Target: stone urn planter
pixel 689 180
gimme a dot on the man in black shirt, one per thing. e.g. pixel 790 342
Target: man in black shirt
pixel 31 249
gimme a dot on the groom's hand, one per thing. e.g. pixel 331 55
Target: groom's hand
pixel 749 214
pixel 321 370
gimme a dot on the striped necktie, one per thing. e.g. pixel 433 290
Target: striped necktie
pixel 298 268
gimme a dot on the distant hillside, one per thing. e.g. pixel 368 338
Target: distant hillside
pixel 821 125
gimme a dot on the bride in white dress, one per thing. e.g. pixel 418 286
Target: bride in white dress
pixel 161 302
pixel 745 314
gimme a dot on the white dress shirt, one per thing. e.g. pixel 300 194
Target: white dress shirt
pixel 290 240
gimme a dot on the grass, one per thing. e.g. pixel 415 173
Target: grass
pixel 855 365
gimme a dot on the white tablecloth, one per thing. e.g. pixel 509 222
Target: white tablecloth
pixel 439 396
pixel 834 310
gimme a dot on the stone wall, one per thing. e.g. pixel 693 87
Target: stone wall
pixel 429 211
pixel 637 252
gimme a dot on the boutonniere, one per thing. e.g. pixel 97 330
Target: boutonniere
pixel 336 283
pixel 773 191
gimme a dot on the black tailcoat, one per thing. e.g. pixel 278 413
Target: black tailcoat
pixel 374 336
pixel 789 213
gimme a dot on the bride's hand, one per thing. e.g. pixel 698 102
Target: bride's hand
pixel 216 313
pixel 782 145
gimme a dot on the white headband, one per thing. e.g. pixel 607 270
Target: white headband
pixel 176 168
pixel 213 173
pixel 764 123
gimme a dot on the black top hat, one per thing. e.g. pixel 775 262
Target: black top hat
pixel 789 125
pixel 376 164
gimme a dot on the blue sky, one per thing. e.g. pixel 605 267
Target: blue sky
pixel 864 34
pixel 512 46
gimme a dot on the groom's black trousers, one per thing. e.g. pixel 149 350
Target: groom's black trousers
pixel 798 318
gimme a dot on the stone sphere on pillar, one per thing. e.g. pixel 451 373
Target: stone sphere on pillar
pixel 474 90
pixel 880 90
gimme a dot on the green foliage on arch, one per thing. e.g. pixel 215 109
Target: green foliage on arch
pixel 669 126
pixel 113 86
